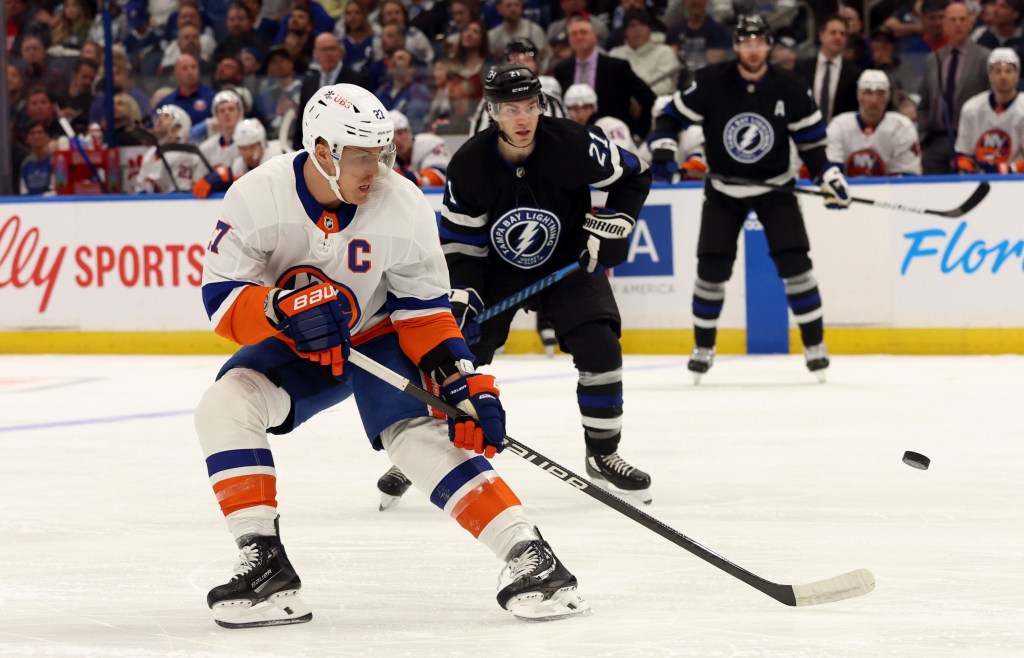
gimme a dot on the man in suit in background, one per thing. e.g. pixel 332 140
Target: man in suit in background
pixel 620 92
pixel 952 74
pixel 833 81
pixel 330 70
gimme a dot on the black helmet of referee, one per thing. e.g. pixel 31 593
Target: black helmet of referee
pixel 511 82
pixel 750 26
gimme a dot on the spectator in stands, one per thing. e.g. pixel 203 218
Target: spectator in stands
pixel 128 123
pixel 472 53
pixel 123 81
pixel 515 26
pixel 833 80
pixel 79 97
pixel 252 67
pixel 36 171
pixel 393 12
pixel 93 51
pixel 143 42
pixel 617 36
pixel 317 17
pixel 70 28
pixel 962 65
pixel 39 108
pixel 783 55
pixel 240 34
pixel 357 36
pixel 264 25
pixel 696 36
pixel 654 63
pixel 902 78
pixel 919 26
pixel 279 91
pixel 188 42
pixel 779 14
pixel 298 38
pixel 1002 27
pixel 37 70
pixel 189 15
pixel 453 103
pixel 570 7
pixel 329 69
pixel 160 10
pixel 460 13
pixel 402 91
pixel 620 93
pixel 191 95
pixel 15 97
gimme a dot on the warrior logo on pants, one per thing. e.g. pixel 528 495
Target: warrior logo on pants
pixel 526 237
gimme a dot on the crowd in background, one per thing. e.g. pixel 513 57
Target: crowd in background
pixel 428 60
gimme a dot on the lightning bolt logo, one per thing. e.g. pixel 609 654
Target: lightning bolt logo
pixel 526 236
pixel 747 137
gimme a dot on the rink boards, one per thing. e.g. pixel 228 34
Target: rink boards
pixel 96 275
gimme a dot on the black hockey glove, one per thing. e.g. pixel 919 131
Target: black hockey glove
pixel 664 168
pixel 607 239
pixel 466 304
pixel 316 319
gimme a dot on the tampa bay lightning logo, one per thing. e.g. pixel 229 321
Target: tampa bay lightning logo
pixel 748 137
pixel 525 237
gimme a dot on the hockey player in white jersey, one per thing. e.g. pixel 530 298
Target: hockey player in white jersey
pixel 580 102
pixel 253 150
pixel 423 159
pixel 220 148
pixel 313 252
pixel 873 142
pixel 991 134
pixel 173 171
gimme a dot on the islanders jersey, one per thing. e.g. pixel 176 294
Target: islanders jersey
pixel 991 134
pixel 383 256
pixel 218 153
pixel 271 150
pixel 889 149
pixel 430 158
pixel 177 171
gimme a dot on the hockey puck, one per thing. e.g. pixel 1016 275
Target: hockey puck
pixel 916 460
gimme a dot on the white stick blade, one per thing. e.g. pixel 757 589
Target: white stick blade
pixel 847 586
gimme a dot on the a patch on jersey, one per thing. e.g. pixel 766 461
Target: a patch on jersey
pixel 865 162
pixel 993 147
pixel 526 237
pixel 748 137
pixel 303 275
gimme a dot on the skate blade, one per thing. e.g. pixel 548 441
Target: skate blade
pixel 282 608
pixel 820 375
pixel 628 495
pixel 387 501
pixel 696 377
pixel 563 604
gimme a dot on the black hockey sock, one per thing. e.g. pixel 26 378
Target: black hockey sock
pixel 805 302
pixel 708 299
pixel 600 399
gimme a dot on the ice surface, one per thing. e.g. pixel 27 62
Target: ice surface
pixel 111 537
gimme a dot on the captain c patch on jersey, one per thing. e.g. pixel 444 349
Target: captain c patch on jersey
pixel 526 237
pixel 748 137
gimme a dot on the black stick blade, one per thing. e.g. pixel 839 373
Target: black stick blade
pixel 970 203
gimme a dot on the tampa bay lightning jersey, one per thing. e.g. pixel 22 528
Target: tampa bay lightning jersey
pixel 748 125
pixel 525 220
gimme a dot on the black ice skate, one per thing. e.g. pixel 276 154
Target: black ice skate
pixel 392 485
pixel 264 590
pixel 701 360
pixel 817 360
pixel 535 586
pixel 615 474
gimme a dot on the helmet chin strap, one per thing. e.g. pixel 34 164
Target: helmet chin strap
pixel 331 180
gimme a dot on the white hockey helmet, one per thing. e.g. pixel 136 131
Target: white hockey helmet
pixel 429 150
pixel 401 121
pixel 873 79
pixel 227 96
pixel 579 94
pixel 1003 56
pixel 180 117
pixel 347 115
pixel 249 132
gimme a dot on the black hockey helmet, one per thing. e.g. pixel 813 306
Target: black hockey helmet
pixel 520 45
pixel 511 82
pixel 751 26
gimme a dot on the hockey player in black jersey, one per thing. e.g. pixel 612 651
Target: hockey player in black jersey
pixel 750 111
pixel 517 208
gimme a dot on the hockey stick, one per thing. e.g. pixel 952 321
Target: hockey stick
pixel 976 197
pixel 526 293
pixel 846 586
